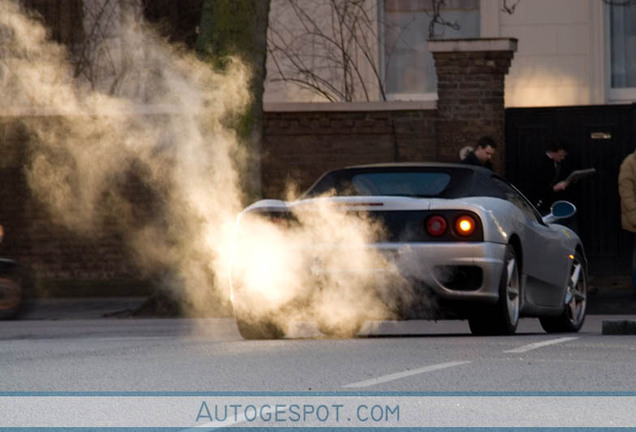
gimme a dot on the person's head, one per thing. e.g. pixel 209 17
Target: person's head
pixel 557 150
pixel 485 149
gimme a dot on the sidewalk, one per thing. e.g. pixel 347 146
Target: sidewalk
pixel 79 308
pixel 611 295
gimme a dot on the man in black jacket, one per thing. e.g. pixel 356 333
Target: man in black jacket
pixel 482 154
pixel 549 177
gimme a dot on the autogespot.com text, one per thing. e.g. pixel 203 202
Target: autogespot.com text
pixel 306 413
pixel 342 410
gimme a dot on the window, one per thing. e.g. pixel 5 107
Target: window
pixel 409 69
pixel 413 184
pixel 622 51
pixel 518 200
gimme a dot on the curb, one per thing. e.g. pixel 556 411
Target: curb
pixel 79 308
pixel 619 327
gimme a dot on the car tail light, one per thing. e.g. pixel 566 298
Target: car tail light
pixel 280 221
pixel 436 226
pixel 465 225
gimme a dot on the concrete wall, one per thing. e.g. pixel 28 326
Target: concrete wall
pixel 560 59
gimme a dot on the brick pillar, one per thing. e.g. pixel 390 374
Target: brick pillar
pixel 470 74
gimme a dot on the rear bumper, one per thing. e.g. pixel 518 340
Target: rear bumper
pixel 453 271
pixel 408 273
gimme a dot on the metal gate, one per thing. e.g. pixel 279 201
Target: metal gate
pixel 599 137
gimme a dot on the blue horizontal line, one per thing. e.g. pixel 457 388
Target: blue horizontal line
pixel 316 394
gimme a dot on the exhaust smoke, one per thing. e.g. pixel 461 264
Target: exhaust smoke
pixel 320 264
pixel 164 124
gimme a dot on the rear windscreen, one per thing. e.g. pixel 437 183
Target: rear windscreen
pixel 414 184
pixel 408 182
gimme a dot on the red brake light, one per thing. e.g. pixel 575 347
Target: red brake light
pixel 280 222
pixel 436 226
pixel 465 225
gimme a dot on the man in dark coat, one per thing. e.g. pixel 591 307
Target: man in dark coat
pixel 482 154
pixel 549 177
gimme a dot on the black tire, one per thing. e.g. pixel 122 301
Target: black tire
pixel 12 292
pixel 349 331
pixel 503 317
pixel 258 329
pixel 573 316
pixel 252 324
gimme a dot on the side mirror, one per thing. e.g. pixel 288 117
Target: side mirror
pixel 560 210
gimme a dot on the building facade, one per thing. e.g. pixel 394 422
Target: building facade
pixel 570 52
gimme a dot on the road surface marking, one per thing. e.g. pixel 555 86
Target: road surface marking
pixel 534 346
pixel 400 375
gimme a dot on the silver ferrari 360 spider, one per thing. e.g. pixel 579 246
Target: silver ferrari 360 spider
pixel 434 241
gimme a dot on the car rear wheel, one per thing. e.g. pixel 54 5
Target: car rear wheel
pixel 573 316
pixel 503 317
pixel 258 329
pixel 254 323
pixel 339 331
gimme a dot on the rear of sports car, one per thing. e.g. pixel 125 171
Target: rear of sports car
pixel 360 258
pixel 444 249
pixel 400 241
pixel 437 250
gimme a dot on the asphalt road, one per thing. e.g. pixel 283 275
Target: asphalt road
pixel 64 346
pixel 209 354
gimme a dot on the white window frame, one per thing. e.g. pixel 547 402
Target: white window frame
pixel 612 95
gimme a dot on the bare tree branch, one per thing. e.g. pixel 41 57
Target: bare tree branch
pixel 337 42
pixel 509 6
pixel 333 46
pixel 438 20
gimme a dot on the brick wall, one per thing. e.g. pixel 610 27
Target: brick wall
pixel 13 189
pixel 49 250
pixel 471 77
pixel 298 146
